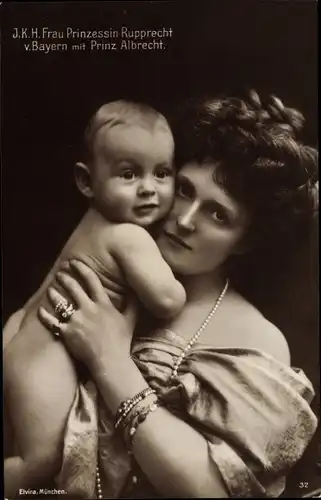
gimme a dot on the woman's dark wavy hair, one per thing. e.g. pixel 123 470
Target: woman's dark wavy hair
pixel 262 164
pixel 260 160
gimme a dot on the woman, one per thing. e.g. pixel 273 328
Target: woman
pixel 224 414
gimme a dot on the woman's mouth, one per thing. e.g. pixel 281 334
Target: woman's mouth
pixel 176 240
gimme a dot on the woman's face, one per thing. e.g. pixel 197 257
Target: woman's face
pixel 205 226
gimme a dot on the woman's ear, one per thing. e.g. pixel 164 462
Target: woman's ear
pixel 83 179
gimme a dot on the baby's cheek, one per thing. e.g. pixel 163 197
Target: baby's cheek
pixel 167 194
pixel 121 199
pixel 165 207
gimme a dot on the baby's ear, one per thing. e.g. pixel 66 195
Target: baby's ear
pixel 83 179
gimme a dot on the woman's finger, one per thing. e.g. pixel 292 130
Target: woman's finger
pixel 73 288
pixel 65 266
pixel 51 322
pixel 55 297
pixel 90 280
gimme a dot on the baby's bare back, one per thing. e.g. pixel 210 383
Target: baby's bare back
pixel 88 243
pixel 40 376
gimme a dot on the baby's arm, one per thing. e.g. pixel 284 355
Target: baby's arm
pixel 39 386
pixel 146 271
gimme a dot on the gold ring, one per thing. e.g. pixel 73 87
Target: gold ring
pixel 65 310
pixel 55 329
pixel 67 313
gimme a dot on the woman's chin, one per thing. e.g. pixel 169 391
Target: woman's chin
pixel 173 256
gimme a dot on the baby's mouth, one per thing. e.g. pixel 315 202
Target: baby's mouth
pixel 146 208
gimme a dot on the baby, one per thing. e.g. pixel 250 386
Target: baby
pixel 128 178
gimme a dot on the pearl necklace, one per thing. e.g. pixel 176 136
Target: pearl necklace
pixel 195 337
pixel 177 364
pixel 98 484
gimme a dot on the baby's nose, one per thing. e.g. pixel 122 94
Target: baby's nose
pixel 146 187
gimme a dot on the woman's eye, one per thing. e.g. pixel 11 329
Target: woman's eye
pixel 219 216
pixel 128 175
pixel 162 174
pixel 183 191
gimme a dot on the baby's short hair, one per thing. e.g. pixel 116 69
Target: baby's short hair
pixel 116 113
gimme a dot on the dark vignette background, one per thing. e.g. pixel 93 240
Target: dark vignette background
pixel 48 98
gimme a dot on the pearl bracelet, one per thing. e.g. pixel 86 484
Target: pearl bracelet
pixel 126 406
pixel 138 418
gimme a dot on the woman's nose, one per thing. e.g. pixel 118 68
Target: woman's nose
pixel 186 220
pixel 146 187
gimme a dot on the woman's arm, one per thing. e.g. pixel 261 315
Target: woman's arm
pixel 170 452
pixel 12 326
pixel 10 329
pixel 173 455
pixel 39 387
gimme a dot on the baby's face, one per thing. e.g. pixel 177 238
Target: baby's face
pixel 132 174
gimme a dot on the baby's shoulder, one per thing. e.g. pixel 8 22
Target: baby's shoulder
pixel 129 236
pixel 95 228
pixel 127 229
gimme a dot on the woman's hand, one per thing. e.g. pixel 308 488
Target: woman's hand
pixel 96 331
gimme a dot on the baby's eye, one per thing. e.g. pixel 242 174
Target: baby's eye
pixel 128 174
pixel 163 173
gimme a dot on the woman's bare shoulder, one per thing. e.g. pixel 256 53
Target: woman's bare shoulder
pixel 243 325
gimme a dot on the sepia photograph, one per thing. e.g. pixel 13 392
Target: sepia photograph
pixel 160 249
